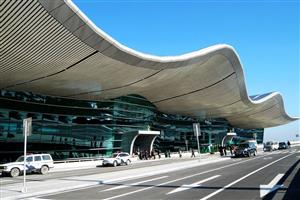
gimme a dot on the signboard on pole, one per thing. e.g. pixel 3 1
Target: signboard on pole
pixel 197 131
pixel 27 126
pixel 27 129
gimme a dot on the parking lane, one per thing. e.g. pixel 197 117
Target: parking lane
pixel 173 177
pixel 143 185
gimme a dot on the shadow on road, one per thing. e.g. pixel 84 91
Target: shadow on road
pixel 293 190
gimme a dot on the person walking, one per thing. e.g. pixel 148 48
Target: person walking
pixel 193 154
pixel 179 153
pixel 224 149
pixel 152 154
pixel 220 150
pixel 158 154
pixel 231 149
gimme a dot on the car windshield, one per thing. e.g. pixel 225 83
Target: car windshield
pixel 20 159
pixel 114 155
pixel 281 143
pixel 244 146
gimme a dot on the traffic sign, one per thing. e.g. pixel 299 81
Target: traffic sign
pixel 27 126
pixel 197 131
pixel 27 129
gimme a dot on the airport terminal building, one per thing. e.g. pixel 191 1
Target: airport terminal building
pixel 88 95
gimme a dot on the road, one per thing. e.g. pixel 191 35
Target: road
pixel 4 180
pixel 237 178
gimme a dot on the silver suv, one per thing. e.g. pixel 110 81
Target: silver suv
pixel 117 159
pixel 34 163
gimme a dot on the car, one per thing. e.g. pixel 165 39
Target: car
pixel 282 145
pixel 271 146
pixel 117 159
pixel 40 163
pixel 246 149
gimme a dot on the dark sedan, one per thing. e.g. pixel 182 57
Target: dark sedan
pixel 246 149
pixel 282 145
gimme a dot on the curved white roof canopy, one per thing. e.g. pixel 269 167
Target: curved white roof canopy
pixel 52 48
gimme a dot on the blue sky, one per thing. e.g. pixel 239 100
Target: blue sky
pixel 264 33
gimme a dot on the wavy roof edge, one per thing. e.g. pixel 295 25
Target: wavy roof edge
pixel 117 51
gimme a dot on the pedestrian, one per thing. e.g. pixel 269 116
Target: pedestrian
pixel 153 154
pixel 179 152
pixel 231 149
pixel 289 144
pixel 158 154
pixel 193 153
pixel 220 150
pixel 224 149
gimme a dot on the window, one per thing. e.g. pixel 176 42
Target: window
pixel 29 159
pixel 37 158
pixel 46 157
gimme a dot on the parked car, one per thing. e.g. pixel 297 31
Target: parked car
pixel 246 149
pixel 271 146
pixel 282 145
pixel 117 159
pixel 34 163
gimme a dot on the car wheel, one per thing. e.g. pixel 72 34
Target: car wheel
pixel 128 162
pixel 44 169
pixel 14 172
pixel 115 164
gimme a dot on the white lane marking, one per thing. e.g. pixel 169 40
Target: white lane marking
pixel 2 181
pixel 267 158
pixel 133 184
pixel 242 178
pixel 193 185
pixel 266 189
pixel 179 179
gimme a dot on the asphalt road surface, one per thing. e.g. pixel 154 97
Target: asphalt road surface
pixel 5 180
pixel 272 175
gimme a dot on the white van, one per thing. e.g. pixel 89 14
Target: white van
pixel 275 145
pixel 271 146
pixel 34 163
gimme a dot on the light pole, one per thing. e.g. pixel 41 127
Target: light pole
pixel 27 128
pixel 197 133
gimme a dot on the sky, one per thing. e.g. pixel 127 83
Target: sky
pixel 265 35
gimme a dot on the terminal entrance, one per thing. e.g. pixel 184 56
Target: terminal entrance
pixel 139 141
pixel 228 138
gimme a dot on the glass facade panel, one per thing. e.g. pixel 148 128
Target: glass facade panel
pixel 68 128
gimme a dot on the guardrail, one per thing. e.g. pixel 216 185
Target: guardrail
pixel 73 160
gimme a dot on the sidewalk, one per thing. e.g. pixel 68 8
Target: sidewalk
pixel 35 188
pixel 92 164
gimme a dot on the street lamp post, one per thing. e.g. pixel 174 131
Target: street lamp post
pixel 197 132
pixel 27 128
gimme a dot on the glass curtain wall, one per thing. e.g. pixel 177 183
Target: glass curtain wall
pixel 69 128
